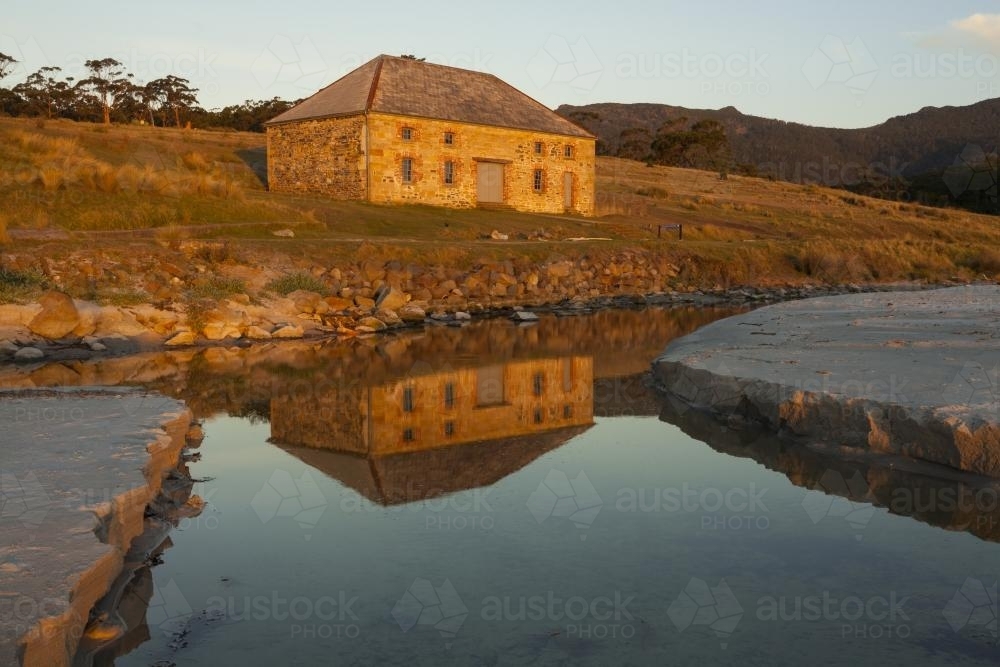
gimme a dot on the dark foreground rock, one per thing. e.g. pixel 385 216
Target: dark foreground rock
pixel 912 374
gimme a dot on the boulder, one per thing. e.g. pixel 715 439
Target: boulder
pixel 309 303
pixel 462 315
pixel 90 318
pixel 364 302
pixel 392 299
pixel 15 315
pixel 524 316
pixel 28 354
pixel 372 323
pixel 338 304
pixel 257 333
pixel 412 313
pixel 221 330
pixel 284 234
pixel 390 317
pixel 7 348
pixel 182 338
pixel 288 331
pixel 115 321
pixel 58 317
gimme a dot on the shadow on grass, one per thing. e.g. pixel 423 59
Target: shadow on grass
pixel 256 159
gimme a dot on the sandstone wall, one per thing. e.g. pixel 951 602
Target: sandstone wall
pixel 324 156
pixel 471 143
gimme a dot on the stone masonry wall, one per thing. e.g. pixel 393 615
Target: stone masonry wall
pixel 324 156
pixel 515 148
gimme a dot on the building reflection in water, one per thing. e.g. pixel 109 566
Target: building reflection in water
pixel 438 431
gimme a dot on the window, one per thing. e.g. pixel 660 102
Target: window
pixel 449 429
pixel 449 138
pixel 567 411
pixel 407 133
pixel 539 180
pixel 407 170
pixel 538 384
pixel 408 399
pixel 539 416
pixel 449 172
pixel 539 147
pixel 408 435
pixel 568 151
pixel 449 395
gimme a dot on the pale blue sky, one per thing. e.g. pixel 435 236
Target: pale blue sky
pixel 848 63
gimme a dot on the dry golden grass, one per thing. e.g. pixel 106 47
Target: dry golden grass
pixel 739 230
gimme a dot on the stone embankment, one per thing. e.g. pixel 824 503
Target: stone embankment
pixel 912 374
pixel 364 298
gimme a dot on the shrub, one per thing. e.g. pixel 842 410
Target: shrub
pixel 285 285
pixel 218 288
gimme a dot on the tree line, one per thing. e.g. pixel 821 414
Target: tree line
pixel 110 94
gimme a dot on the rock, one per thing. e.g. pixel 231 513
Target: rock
pixel 372 323
pixel 182 338
pixel 284 234
pixel 257 333
pixel 90 318
pixel 389 317
pixel 392 299
pixel 462 315
pixel 15 315
pixel 499 236
pixel 310 303
pixel 559 269
pixel 98 347
pixel 115 321
pixel 412 313
pixel 58 317
pixel 288 331
pixel 364 302
pixel 7 348
pixel 221 330
pixel 338 304
pixel 28 354
pixel 524 316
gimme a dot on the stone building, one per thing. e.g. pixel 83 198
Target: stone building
pixel 398 131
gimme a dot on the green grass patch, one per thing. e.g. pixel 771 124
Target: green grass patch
pixel 285 285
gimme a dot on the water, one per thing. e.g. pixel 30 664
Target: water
pixel 566 516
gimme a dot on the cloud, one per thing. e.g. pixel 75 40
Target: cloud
pixel 979 30
pixel 984 27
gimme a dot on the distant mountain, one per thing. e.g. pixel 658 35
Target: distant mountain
pixel 937 155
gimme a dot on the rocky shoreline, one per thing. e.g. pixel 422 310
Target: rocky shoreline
pixel 59 326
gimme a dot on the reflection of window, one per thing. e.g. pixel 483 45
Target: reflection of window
pixel 408 399
pixel 489 386
pixel 567 375
pixel 449 429
pixel 538 384
pixel 539 416
pixel 567 411
pixel 408 435
pixel 449 395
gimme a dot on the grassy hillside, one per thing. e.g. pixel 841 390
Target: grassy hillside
pixel 69 189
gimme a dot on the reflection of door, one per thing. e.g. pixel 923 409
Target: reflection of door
pixel 489 186
pixel 568 190
pixel 489 386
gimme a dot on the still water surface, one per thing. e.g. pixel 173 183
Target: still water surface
pixel 499 495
